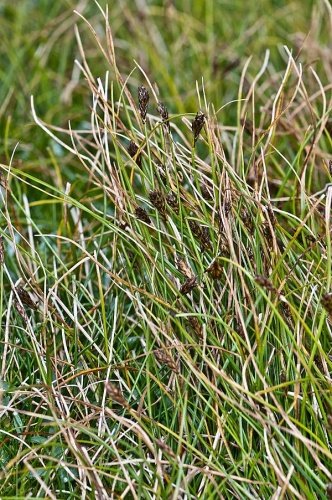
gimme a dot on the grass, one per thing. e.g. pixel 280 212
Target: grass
pixel 165 269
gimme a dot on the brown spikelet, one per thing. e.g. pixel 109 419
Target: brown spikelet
pixel 221 228
pixel 205 239
pixel 143 101
pixel 133 152
pixel 167 360
pixel 25 298
pixel 206 192
pixel 188 285
pixel 287 311
pixel 224 249
pixel 162 110
pixel 196 326
pixel 215 269
pixel 267 234
pixel 115 394
pixel 197 125
pixel 2 251
pixel 247 220
pixel 239 329
pixel 330 167
pixel 195 228
pixel 264 282
pixel 228 208
pixel 162 173
pixel 141 214
pixel 172 201
pixel 327 303
pixel 250 253
pixel 20 309
pixel 164 447
pixel 184 268
pixel 157 199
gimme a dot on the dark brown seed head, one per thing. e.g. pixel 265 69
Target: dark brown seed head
pixel 141 214
pixel 206 193
pixel 143 101
pixel 157 199
pixel 162 110
pixel 167 360
pixel 224 249
pixel 25 298
pixel 205 239
pixel 115 394
pixel 197 125
pixel 264 282
pixel 195 228
pixel 268 234
pixel 133 152
pixel 287 312
pixel 188 285
pixel 221 227
pixel 20 309
pixel 247 221
pixel 327 302
pixel 184 268
pixel 227 207
pixel 215 270
pixel 172 201
pixel 164 447
pixel 250 254
pixel 330 167
pixel 196 326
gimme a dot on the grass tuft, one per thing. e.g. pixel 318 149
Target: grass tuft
pixel 165 276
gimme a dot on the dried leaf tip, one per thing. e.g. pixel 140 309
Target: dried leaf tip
pixel 197 125
pixel 143 101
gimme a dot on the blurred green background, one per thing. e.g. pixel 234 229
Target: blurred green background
pixel 176 42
